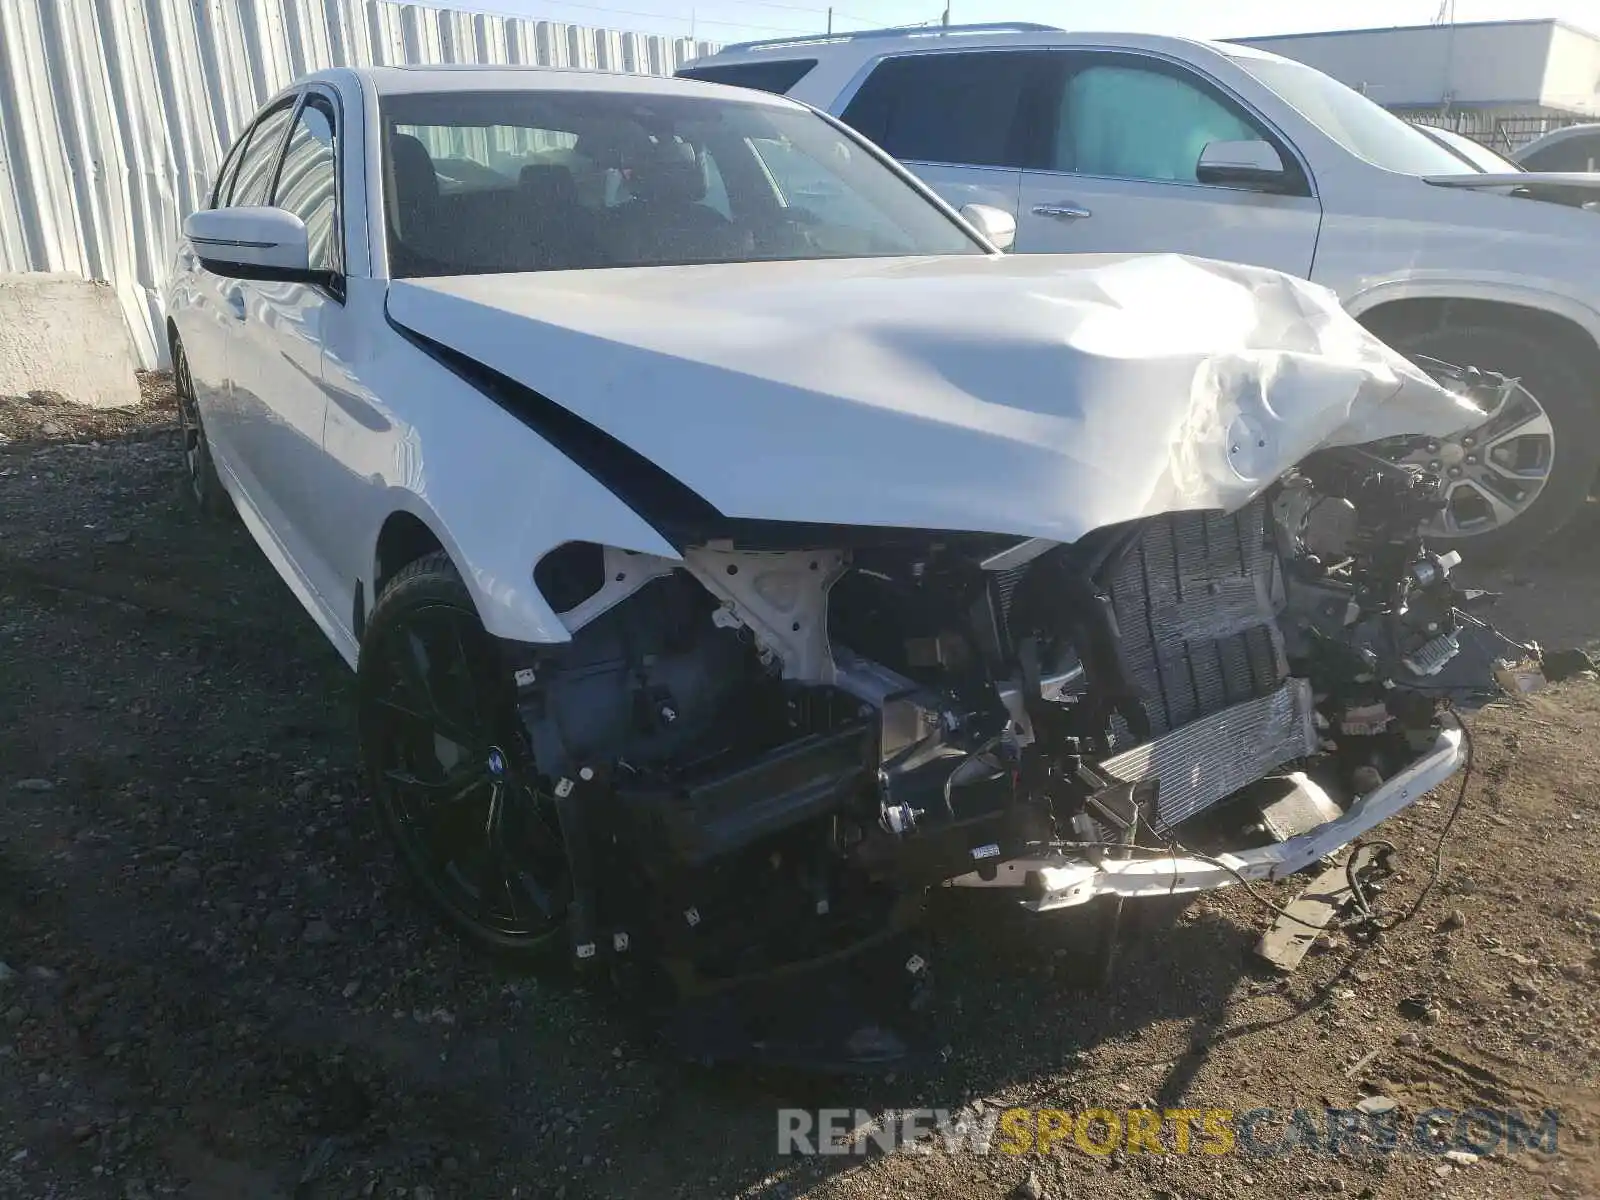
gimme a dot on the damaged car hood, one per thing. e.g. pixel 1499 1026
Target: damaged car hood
pixel 1037 395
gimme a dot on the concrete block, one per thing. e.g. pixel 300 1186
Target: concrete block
pixel 60 333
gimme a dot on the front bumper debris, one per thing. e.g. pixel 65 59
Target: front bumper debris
pixel 1064 881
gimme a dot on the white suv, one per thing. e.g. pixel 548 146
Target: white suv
pixel 1103 141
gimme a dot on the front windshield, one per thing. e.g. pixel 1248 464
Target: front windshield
pixel 486 182
pixel 1349 118
pixel 1475 154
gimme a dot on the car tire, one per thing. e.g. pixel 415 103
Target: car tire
pixel 202 483
pixel 449 770
pixel 1566 398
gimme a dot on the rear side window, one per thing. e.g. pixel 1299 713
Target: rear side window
pixel 776 77
pixel 946 108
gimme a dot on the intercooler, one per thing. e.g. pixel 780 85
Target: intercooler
pixel 1217 755
pixel 1196 598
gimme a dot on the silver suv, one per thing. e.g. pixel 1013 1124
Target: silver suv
pixel 1135 142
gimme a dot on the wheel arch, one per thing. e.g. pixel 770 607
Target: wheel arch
pixel 1394 319
pixel 446 467
pixel 513 609
pixel 403 538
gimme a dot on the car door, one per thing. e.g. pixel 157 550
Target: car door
pixel 953 118
pixel 1117 139
pixel 202 318
pixel 228 425
pixel 275 356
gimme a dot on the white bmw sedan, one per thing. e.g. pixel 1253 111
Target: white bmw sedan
pixel 732 543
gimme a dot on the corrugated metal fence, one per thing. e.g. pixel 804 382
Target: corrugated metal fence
pixel 114 113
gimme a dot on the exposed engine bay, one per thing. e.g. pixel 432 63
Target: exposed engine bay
pixel 762 758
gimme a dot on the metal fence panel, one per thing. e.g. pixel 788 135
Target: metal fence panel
pixel 115 113
pixel 1505 131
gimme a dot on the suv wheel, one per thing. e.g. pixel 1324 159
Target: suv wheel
pixel 1521 475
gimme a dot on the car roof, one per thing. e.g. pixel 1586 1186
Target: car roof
pixel 468 77
pixel 873 43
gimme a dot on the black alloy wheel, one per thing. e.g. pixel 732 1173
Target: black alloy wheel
pixel 454 784
pixel 200 471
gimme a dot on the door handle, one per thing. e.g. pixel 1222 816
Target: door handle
pixel 235 298
pixel 1066 212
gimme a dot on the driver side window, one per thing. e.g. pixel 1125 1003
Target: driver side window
pixel 230 169
pixel 308 181
pixel 1126 121
pixel 253 184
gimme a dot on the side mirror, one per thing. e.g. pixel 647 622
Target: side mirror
pixel 996 224
pixel 1248 164
pixel 252 243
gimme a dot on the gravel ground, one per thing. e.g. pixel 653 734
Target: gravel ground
pixel 215 985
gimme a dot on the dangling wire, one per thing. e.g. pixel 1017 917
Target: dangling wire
pixel 1438 847
pixel 1363 904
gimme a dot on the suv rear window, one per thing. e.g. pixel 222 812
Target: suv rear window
pixel 946 108
pixel 776 77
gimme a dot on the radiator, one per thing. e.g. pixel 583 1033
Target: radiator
pixel 1195 600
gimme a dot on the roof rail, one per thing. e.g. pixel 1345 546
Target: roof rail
pixel 894 31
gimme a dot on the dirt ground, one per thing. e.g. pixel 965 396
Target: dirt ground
pixel 215 985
